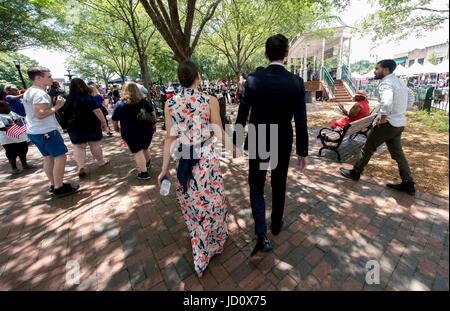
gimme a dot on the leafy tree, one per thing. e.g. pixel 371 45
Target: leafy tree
pixel 240 28
pixel 25 23
pixel 140 27
pixel 8 72
pixel 163 68
pixel 106 42
pixel 397 19
pixel 433 58
pixel 362 66
pixel 89 69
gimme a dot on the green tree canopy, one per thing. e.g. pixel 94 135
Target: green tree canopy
pixel 29 23
pixel 398 19
pixel 240 28
pixel 8 72
pixel 362 66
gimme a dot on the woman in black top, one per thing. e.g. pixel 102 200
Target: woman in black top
pixel 134 131
pixel 84 122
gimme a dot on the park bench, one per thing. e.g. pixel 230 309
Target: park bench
pixel 332 138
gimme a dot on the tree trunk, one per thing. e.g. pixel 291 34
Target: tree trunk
pixel 143 64
pixel 168 23
pixel 237 75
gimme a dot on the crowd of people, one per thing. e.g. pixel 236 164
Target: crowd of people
pixel 194 118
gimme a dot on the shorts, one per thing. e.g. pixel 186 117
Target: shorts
pixel 13 151
pixel 136 146
pixel 82 138
pixel 49 144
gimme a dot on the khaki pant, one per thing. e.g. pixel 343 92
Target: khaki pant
pixel 390 135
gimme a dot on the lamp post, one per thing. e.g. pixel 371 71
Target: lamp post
pixel 69 75
pixel 17 64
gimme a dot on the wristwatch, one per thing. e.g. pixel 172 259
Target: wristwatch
pixel 53 109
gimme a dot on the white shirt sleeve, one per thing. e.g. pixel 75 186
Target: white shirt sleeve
pixel 41 98
pixel 386 99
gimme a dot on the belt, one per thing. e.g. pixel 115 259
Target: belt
pixel 185 166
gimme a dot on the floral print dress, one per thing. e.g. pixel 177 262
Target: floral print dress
pixel 203 202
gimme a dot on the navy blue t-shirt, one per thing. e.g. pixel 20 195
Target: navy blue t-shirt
pixel 99 100
pixel 16 105
pixel 78 111
pixel 130 128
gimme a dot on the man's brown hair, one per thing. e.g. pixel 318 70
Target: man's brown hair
pixel 35 71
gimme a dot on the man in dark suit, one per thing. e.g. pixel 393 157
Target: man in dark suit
pixel 273 97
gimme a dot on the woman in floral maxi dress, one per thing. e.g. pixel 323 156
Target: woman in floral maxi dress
pixel 200 191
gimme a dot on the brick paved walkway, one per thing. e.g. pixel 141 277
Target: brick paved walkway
pixel 125 236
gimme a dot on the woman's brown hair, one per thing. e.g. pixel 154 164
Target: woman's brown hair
pixel 188 72
pixel 78 87
pixel 93 90
pixel 131 94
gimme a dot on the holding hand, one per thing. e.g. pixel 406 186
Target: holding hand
pixel 162 175
pixel 60 101
pixel 382 120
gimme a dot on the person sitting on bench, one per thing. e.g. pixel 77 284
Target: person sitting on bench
pixel 359 110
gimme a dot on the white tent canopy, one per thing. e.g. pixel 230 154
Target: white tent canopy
pixel 430 68
pixel 401 71
pixel 416 69
pixel 442 67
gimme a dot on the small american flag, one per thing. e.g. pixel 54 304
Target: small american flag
pixel 16 130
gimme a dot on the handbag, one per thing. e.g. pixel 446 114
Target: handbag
pixel 144 116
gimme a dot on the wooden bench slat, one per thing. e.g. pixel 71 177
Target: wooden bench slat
pixel 332 139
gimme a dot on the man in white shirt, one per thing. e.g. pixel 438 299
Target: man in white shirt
pixel 142 88
pixel 44 131
pixel 389 125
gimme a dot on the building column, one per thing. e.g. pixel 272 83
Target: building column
pixel 289 64
pixel 305 65
pixel 300 63
pixel 314 66
pixel 341 55
pixel 349 51
pixel 322 61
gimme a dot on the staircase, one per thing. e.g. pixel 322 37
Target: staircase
pixel 341 94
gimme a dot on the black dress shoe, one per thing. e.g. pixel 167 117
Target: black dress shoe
pixel 276 229
pixel 263 244
pixel 407 187
pixel 350 174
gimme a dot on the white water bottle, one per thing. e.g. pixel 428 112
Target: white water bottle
pixel 165 187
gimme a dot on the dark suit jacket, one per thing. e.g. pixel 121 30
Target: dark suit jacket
pixel 276 96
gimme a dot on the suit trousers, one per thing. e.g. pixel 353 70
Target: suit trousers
pixel 257 179
pixel 390 135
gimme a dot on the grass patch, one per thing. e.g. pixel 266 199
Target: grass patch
pixel 435 120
